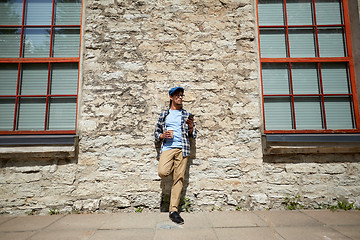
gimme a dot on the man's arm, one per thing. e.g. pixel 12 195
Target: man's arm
pixel 190 122
pixel 192 128
pixel 158 131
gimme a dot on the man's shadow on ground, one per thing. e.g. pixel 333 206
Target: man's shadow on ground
pixel 167 182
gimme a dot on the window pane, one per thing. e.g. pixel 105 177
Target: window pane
pixel 331 42
pixel 38 12
pixel 302 42
pixel 338 112
pixel 11 12
pixel 8 79
pixel 7 109
pixel 37 42
pixel 67 12
pixel 275 78
pixel 273 43
pixel 271 12
pixel 34 79
pixel 64 78
pixel 299 12
pixel 31 114
pixel 10 42
pixel 66 42
pixel 62 114
pixel 278 113
pixel 328 12
pixel 335 78
pixel 305 78
pixel 308 113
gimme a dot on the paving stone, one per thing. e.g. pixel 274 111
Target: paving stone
pixel 15 235
pixel 235 219
pixel 196 220
pixel 130 220
pixel 167 225
pixel 29 223
pixel 307 233
pixel 80 221
pixel 253 233
pixel 336 218
pixel 128 234
pixel 63 235
pixel 349 231
pixel 5 219
pixel 287 218
pixel 185 233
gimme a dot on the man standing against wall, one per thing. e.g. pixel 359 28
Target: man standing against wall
pixel 174 128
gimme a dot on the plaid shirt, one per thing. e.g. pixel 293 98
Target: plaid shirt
pixel 160 126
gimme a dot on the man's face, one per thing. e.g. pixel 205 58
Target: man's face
pixel 177 98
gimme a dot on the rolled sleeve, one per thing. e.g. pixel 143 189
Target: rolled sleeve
pixel 194 133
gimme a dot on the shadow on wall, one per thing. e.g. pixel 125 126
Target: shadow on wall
pixel 167 182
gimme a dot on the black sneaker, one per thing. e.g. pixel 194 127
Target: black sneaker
pixel 175 217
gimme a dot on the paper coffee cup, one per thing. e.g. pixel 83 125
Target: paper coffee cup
pixel 171 132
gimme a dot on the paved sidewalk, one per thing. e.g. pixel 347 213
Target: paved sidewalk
pixel 252 225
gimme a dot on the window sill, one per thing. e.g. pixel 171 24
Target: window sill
pixel 38 146
pixel 278 144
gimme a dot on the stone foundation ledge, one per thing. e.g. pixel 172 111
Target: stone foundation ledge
pixel 28 152
pixel 38 146
pixel 277 144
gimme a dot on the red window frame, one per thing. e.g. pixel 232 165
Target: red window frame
pixel 49 60
pixel 317 60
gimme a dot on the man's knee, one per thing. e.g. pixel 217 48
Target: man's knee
pixel 163 173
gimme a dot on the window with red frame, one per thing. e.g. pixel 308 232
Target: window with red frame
pixel 308 82
pixel 39 61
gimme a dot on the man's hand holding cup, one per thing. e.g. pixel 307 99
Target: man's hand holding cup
pixel 168 134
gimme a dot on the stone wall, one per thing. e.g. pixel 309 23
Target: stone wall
pixel 134 51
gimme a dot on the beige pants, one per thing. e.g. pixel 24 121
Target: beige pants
pixel 173 161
